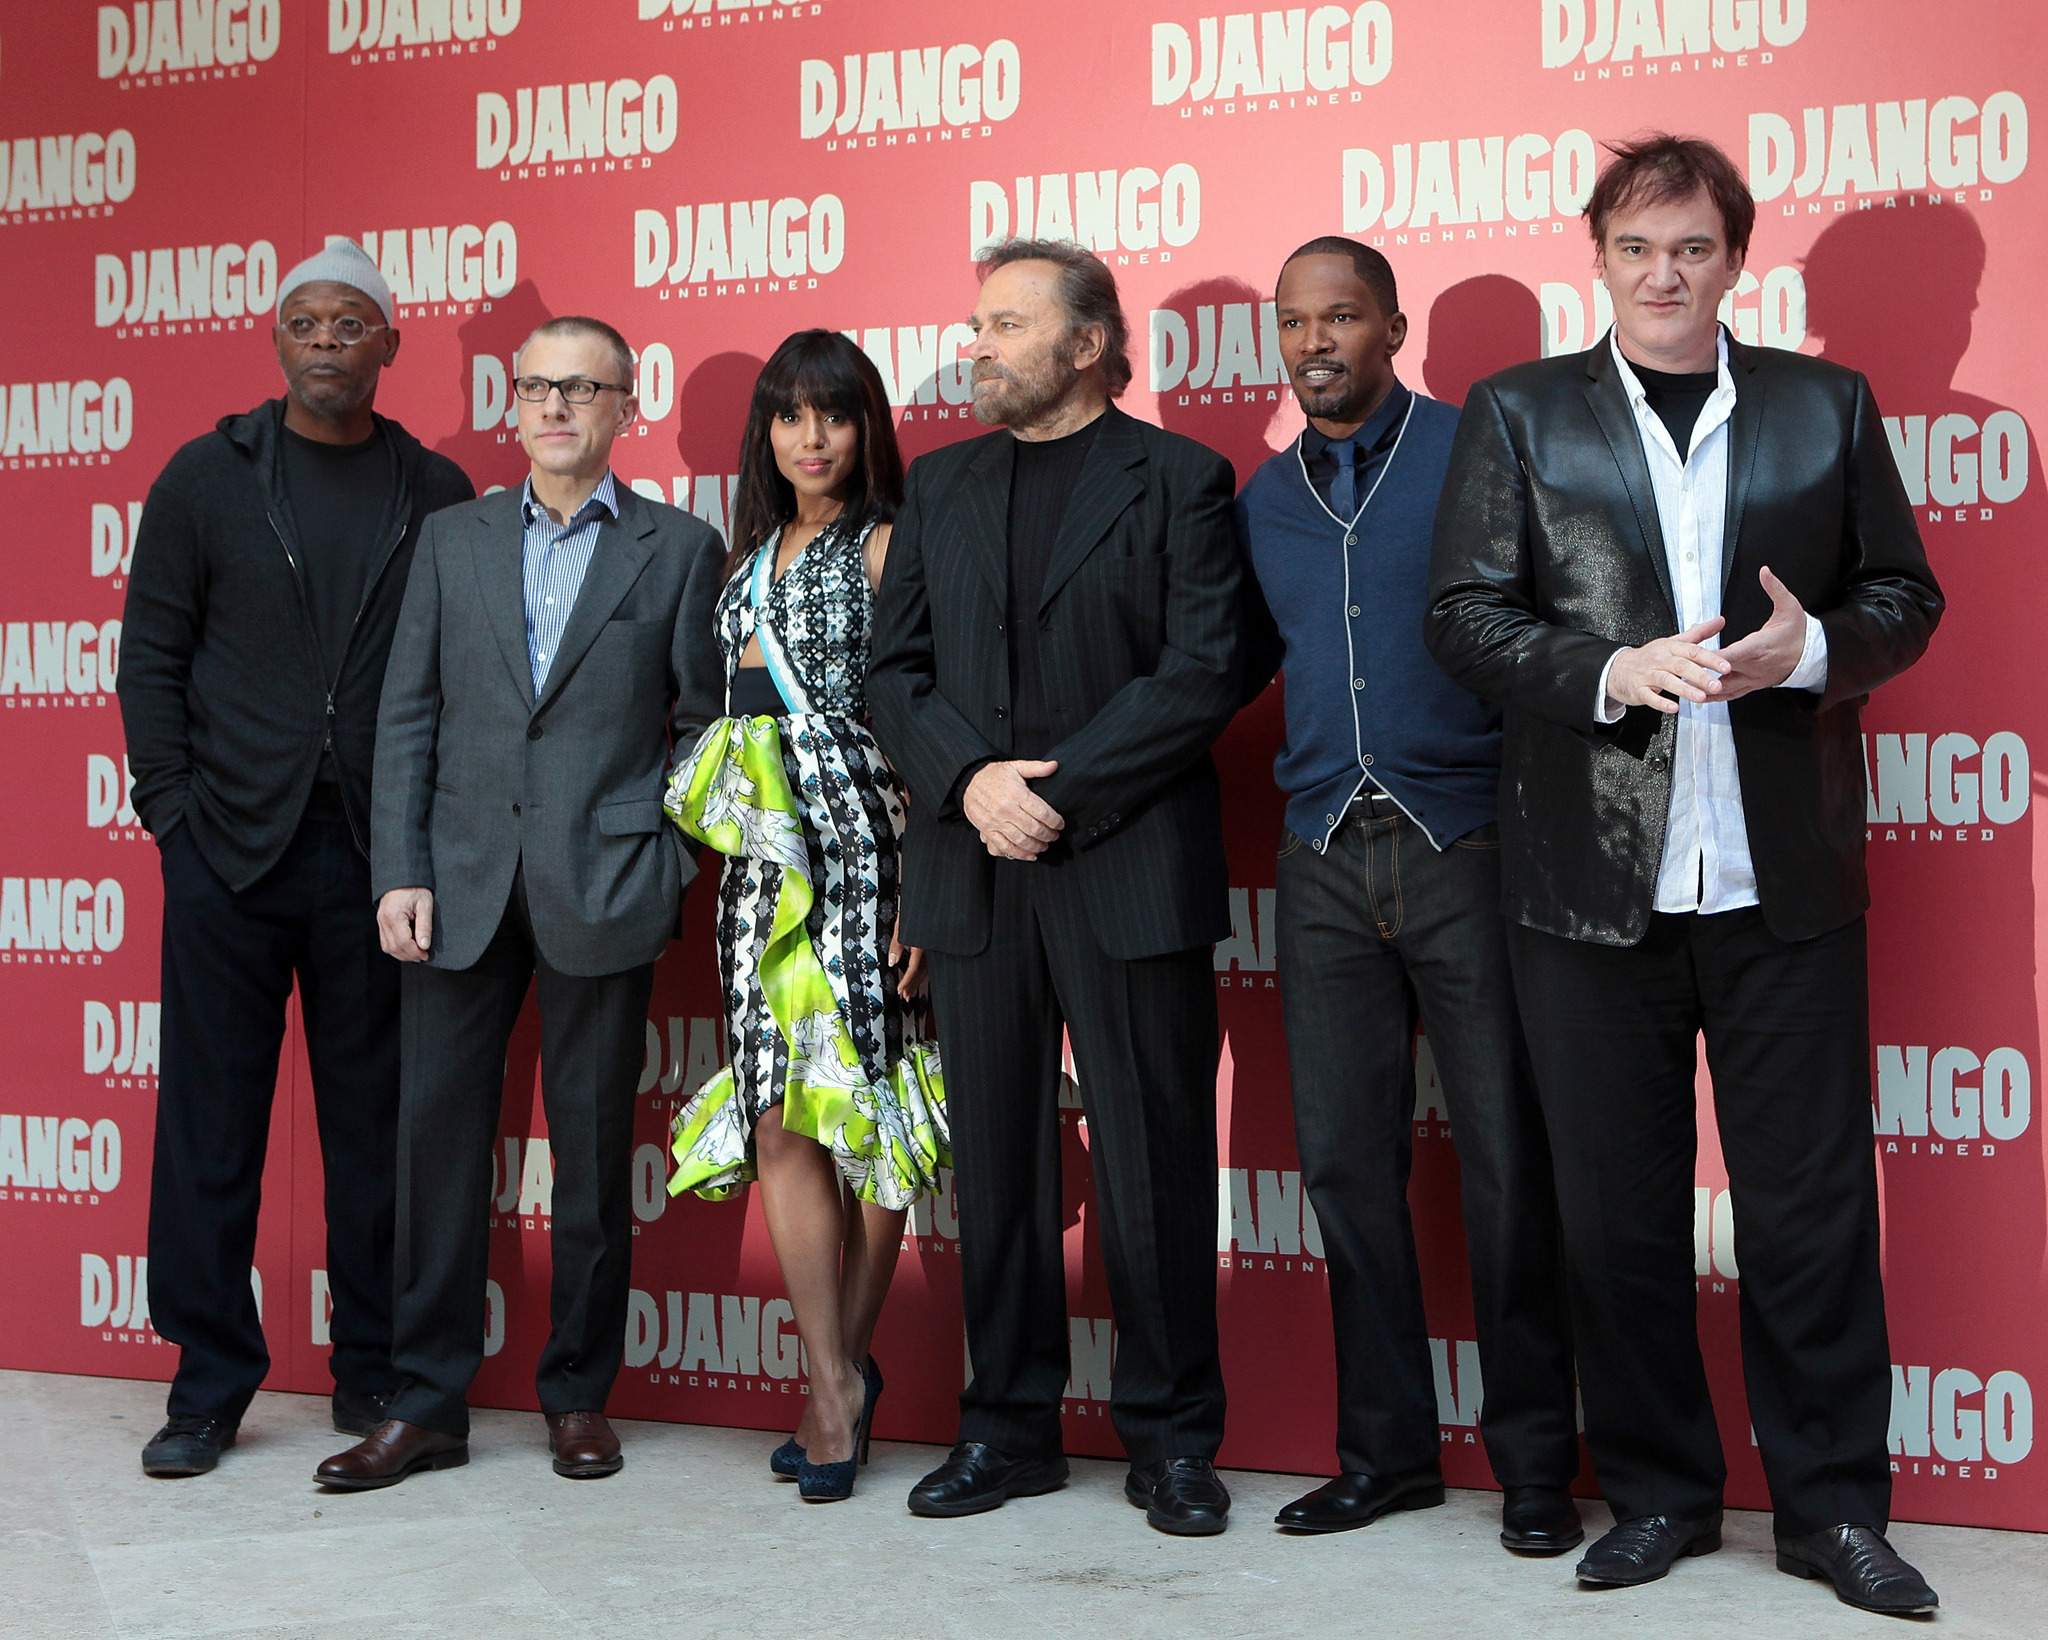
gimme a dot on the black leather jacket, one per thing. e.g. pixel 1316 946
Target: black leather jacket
pixel 1548 555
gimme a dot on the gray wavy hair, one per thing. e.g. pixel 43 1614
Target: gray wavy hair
pixel 1087 292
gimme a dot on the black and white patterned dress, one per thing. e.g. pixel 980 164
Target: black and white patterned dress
pixel 815 623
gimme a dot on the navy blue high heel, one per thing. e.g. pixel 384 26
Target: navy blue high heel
pixel 871 1373
pixel 786 1460
pixel 833 1482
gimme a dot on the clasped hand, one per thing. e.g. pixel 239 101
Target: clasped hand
pixel 1662 673
pixel 1014 821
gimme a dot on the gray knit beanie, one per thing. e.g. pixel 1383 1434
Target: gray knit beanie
pixel 345 263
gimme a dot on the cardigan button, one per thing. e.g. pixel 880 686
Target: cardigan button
pixel 1355 612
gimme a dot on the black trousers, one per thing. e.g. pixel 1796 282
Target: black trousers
pixel 229 961
pixel 1145 1042
pixel 1613 1030
pixel 1375 928
pixel 592 1041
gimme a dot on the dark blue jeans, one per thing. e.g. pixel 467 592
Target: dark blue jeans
pixel 1378 929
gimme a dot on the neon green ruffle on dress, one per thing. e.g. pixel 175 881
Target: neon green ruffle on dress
pixel 887 1135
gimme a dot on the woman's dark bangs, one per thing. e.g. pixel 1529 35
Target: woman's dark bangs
pixel 815 376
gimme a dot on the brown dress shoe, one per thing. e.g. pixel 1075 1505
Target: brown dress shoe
pixel 584 1446
pixel 391 1451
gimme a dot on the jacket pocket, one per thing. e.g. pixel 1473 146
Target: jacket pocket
pixel 624 819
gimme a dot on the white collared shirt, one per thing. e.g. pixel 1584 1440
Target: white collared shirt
pixel 1706 866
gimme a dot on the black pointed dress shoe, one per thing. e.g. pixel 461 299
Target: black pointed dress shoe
pixel 1539 1520
pixel 1352 1501
pixel 1183 1497
pixel 1865 1570
pixel 187 1446
pixel 976 1477
pixel 1645 1548
pixel 357 1412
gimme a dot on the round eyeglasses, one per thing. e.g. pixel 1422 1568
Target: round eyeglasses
pixel 535 389
pixel 347 330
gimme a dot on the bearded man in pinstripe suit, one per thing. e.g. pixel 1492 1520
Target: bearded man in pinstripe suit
pixel 1057 646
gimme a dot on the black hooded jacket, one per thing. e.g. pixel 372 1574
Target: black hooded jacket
pixel 221 687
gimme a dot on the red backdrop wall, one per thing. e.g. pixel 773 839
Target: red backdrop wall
pixel 712 175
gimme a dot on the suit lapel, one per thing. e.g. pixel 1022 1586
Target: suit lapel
pixel 497 549
pixel 1745 426
pixel 623 548
pixel 1105 488
pixel 1610 406
pixel 984 510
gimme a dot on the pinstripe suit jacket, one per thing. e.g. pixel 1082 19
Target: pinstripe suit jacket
pixel 1141 634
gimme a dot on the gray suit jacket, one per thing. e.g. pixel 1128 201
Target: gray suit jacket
pixel 475 775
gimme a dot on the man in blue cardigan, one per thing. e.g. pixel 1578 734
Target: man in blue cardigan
pixel 1389 905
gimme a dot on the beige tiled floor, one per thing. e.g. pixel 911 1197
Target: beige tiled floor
pixel 693 1539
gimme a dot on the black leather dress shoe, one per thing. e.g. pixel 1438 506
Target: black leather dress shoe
pixel 976 1477
pixel 1180 1496
pixel 1352 1501
pixel 186 1446
pixel 1539 1520
pixel 1645 1548
pixel 357 1413
pixel 1865 1570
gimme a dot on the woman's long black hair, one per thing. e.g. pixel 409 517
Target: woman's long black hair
pixel 815 370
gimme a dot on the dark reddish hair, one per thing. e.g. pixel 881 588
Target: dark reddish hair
pixel 815 370
pixel 1660 169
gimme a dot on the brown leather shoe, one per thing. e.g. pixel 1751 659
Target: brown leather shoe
pixel 391 1451
pixel 584 1445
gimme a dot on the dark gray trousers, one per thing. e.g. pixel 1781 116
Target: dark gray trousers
pixel 1375 929
pixel 456 1025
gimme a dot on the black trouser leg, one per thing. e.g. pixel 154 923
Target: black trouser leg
pixel 1000 1033
pixel 349 991
pixel 1788 1034
pixel 1367 929
pixel 227 972
pixel 455 1025
pixel 1350 1021
pixel 592 1038
pixel 1145 1044
pixel 1613 1031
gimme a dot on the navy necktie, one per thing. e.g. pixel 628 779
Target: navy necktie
pixel 1344 487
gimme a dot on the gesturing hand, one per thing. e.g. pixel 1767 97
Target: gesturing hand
pixel 405 923
pixel 1015 823
pixel 1649 676
pixel 1767 657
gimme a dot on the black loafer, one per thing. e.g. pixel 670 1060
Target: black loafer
pixel 1352 1501
pixel 1180 1496
pixel 1865 1570
pixel 1645 1548
pixel 1539 1520
pixel 976 1477
pixel 357 1413
pixel 187 1446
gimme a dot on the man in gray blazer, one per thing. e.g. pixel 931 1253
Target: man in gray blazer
pixel 554 659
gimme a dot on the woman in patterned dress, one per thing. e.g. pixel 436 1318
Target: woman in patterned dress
pixel 833 1099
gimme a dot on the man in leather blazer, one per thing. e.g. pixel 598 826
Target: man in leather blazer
pixel 555 659
pixel 1057 646
pixel 1681 565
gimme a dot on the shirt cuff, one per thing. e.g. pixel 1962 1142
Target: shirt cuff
pixel 1812 670
pixel 1605 710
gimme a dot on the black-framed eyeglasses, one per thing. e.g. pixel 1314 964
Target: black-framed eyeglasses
pixel 574 389
pixel 347 330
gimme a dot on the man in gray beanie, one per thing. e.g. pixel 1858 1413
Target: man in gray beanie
pixel 268 570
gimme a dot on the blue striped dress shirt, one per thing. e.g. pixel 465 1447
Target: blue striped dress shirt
pixel 552 567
